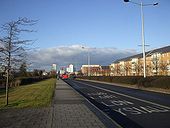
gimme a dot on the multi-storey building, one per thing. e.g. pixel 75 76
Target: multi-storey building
pixel 95 70
pixel 70 68
pixel 105 71
pixel 54 67
pixel 157 63
pixel 92 70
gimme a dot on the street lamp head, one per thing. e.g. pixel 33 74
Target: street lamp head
pixel 126 0
pixel 155 4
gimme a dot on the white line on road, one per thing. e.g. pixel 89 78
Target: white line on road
pixel 149 102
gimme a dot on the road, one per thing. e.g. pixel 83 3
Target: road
pixel 130 108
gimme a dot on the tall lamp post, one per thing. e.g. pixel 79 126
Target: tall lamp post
pixel 88 61
pixel 141 4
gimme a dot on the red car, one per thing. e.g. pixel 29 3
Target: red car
pixel 64 76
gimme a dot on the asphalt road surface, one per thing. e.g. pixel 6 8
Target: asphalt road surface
pixel 130 108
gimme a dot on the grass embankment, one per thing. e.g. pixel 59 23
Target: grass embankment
pixel 34 95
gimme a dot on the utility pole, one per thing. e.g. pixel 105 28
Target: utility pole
pixel 143 34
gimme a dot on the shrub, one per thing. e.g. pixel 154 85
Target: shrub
pixel 2 83
pixel 151 81
pixel 21 81
pixel 143 82
pixel 30 80
pixel 125 79
pixel 162 82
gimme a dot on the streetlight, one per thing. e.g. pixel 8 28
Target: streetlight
pixel 88 61
pixel 143 36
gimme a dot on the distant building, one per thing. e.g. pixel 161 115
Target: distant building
pixel 157 63
pixel 95 70
pixel 54 67
pixel 105 71
pixel 70 68
pixel 62 70
pixel 92 69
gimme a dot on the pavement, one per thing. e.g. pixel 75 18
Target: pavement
pixel 68 110
pixel 26 118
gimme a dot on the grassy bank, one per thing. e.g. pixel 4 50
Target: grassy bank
pixel 33 95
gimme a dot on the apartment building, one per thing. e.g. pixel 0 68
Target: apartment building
pixel 92 70
pixel 95 70
pixel 70 68
pixel 157 63
pixel 105 71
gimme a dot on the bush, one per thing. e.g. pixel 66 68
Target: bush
pixel 162 82
pixel 126 79
pixel 143 82
pixel 21 81
pixel 2 83
pixel 30 80
pixel 151 81
pixel 12 83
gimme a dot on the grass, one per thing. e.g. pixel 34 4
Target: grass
pixel 34 95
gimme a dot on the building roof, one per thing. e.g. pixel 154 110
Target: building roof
pixel 159 50
pixel 90 66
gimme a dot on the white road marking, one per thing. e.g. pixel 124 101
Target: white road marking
pixel 105 104
pixel 149 102
pixel 92 97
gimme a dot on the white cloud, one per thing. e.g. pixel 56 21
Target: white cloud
pixel 75 54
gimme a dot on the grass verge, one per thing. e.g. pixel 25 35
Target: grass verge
pixel 34 95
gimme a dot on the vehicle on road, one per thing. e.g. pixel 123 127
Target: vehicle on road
pixel 64 76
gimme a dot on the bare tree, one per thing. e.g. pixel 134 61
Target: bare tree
pixel 127 69
pixel 163 66
pixel 12 47
pixel 117 69
pixel 148 69
pixel 138 68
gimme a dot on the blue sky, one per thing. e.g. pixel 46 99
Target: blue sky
pixel 93 23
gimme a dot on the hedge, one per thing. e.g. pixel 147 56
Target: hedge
pixel 150 81
pixel 21 81
pixel 30 80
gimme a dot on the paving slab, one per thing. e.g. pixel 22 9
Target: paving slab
pixel 26 118
pixel 69 110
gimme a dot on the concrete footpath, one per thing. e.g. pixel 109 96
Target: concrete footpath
pixel 68 110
